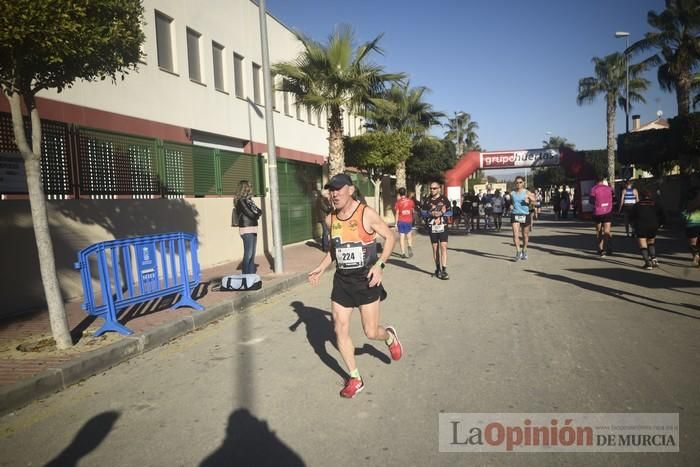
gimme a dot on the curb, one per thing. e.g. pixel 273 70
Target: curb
pixel 52 380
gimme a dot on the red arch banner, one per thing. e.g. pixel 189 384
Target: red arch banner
pixel 470 162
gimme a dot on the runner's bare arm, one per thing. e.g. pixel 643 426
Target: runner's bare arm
pixel 531 197
pixel 377 224
pixel 315 275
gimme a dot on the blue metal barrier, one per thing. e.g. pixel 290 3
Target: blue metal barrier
pixel 135 270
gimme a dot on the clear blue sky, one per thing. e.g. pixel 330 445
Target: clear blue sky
pixel 514 65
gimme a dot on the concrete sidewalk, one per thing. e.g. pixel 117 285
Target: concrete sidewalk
pixel 27 376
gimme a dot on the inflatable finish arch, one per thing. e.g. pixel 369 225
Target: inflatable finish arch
pixel 470 162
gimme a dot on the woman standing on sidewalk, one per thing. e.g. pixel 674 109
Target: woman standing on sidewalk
pixel 247 214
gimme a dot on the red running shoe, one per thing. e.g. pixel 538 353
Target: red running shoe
pixel 395 349
pixel 353 386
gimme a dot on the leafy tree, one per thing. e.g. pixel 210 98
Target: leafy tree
pixel 377 153
pixel 402 108
pixel 461 130
pixel 609 81
pixel 431 158
pixel 678 41
pixel 555 142
pixel 333 78
pixel 548 176
pixel 49 44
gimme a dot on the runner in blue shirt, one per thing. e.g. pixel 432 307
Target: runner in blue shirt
pixel 520 217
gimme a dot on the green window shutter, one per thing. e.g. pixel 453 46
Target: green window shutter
pixel 178 169
pixel 236 166
pixel 117 164
pixel 204 164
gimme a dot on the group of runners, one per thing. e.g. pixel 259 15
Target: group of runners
pixel 354 227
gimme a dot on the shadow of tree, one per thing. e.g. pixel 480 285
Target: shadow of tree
pixel 86 440
pixel 482 254
pixel 249 441
pixel 641 300
pixel 642 279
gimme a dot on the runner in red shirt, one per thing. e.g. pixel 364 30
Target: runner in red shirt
pixel 404 208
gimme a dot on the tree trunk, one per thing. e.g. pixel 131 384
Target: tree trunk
pixel 683 94
pixel 401 175
pixel 610 114
pixel 377 194
pixel 336 154
pixel 37 202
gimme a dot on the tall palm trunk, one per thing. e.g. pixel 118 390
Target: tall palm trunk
pixel 401 175
pixel 336 156
pixel 37 203
pixel 610 113
pixel 683 94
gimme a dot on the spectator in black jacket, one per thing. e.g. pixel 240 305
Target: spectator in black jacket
pixel 247 215
pixel 647 217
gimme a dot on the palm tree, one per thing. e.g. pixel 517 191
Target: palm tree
pixel 609 80
pixel 461 130
pixel 678 41
pixel 402 108
pixel 334 78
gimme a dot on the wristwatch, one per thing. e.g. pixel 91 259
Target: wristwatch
pixel 381 263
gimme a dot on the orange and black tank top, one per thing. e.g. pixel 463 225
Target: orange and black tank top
pixel 354 249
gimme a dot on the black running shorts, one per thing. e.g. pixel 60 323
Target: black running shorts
pixel 438 237
pixel 353 290
pixel 646 233
pixel 603 218
pixel 518 219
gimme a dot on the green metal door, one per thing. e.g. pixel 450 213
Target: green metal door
pixel 297 181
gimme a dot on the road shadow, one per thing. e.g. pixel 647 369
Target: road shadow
pixel 483 254
pixel 630 297
pixel 249 441
pixel 411 267
pixel 319 331
pixel 583 254
pixel 642 279
pixel 86 440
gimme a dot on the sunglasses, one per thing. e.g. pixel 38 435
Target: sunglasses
pixel 434 187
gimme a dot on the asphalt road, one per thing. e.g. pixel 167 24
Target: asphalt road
pixel 564 331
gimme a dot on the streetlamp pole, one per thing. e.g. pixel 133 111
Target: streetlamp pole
pixel 271 154
pixel 626 35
